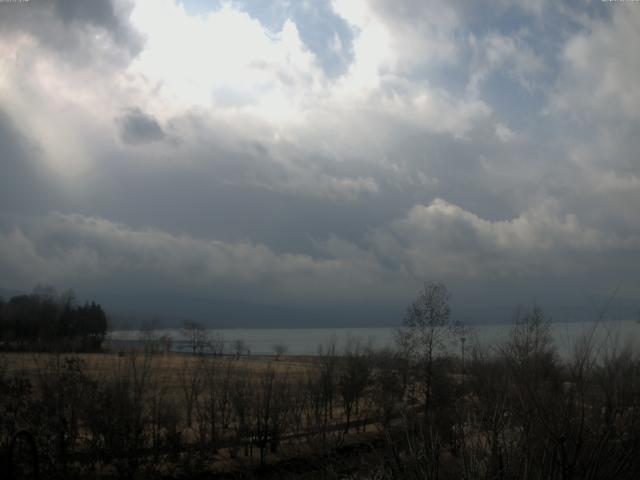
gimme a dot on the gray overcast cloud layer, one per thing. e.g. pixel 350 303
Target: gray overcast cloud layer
pixel 332 154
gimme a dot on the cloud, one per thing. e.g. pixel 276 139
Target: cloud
pixel 509 55
pixel 406 33
pixel 391 44
pixel 595 103
pixel 89 251
pixel 259 151
pixel 199 60
pixel 82 33
pixel 601 68
pixel 100 12
pixel 138 127
pixel 503 132
pixel 438 240
pixel 319 137
pixel 447 241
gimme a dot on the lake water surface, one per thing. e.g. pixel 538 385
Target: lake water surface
pixel 305 341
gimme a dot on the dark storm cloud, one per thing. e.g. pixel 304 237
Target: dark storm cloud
pixel 67 27
pixel 137 127
pixel 99 12
pixel 96 252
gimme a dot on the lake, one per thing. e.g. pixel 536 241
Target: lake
pixel 305 341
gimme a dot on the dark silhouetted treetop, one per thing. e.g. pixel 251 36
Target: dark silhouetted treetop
pixel 46 320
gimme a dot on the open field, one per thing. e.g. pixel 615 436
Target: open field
pixel 97 365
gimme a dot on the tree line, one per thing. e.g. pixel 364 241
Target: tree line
pixel 45 320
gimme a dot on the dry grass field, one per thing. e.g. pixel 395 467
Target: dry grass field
pixel 99 364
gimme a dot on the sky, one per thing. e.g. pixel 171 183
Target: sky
pixel 321 159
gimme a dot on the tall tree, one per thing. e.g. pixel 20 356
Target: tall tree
pixel 426 326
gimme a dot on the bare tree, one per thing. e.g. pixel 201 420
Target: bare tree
pixel 214 409
pixel 240 347
pixel 353 378
pixel 223 405
pixel 262 408
pixel 149 336
pixel 166 343
pixel 279 349
pixel 196 336
pixel 388 368
pixel 328 366
pixel 426 327
pixel 190 378
pixel 299 403
pixel 217 344
pixel 241 402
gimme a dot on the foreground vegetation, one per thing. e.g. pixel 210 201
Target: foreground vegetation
pixel 514 411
